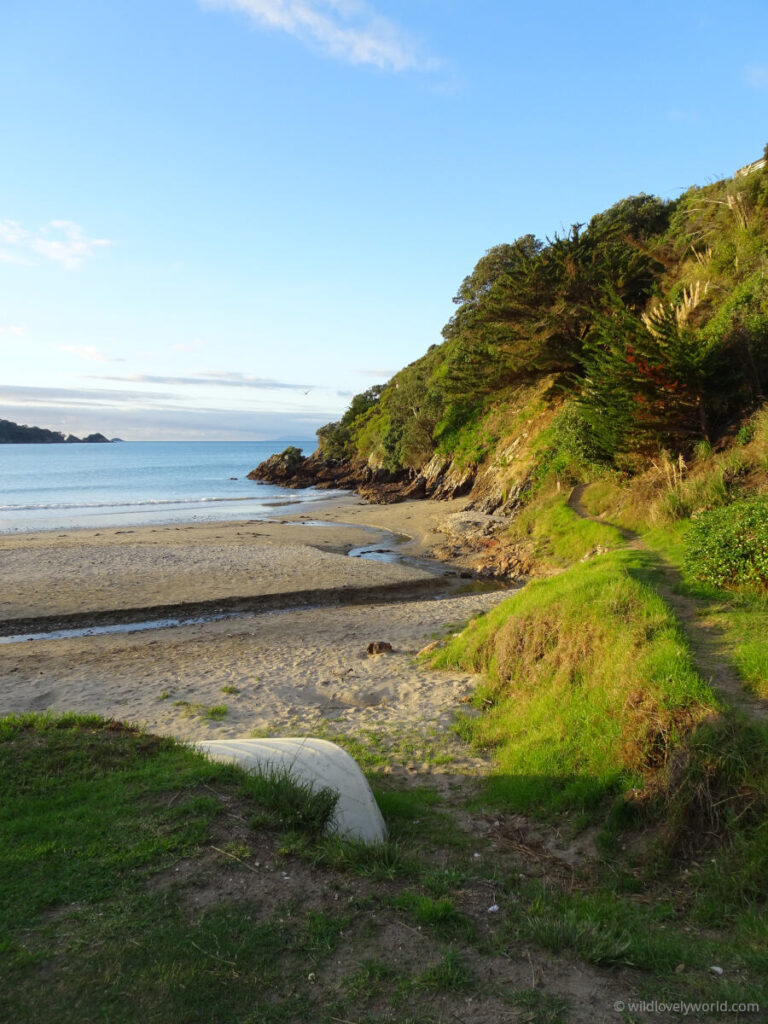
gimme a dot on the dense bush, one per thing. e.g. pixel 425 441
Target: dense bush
pixel 728 547
pixel 337 440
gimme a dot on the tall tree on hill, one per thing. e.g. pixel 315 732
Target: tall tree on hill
pixel 649 380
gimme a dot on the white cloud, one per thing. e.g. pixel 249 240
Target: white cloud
pixel 91 353
pixel 756 76
pixel 137 416
pixel 226 379
pixel 386 374
pixel 15 329
pixel 32 395
pixel 193 346
pixel 349 30
pixel 61 241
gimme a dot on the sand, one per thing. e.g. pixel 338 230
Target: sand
pixel 59 573
pixel 297 665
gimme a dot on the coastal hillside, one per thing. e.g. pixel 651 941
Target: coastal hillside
pixel 642 332
pixel 16 433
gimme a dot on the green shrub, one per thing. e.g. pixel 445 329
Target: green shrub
pixel 728 547
pixel 567 449
pixel 745 433
pixel 291 456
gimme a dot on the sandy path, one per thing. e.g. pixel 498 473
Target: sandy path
pixel 710 654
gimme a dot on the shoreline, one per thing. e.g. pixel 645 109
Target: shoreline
pixel 292 655
pixel 159 569
pixel 106 516
pixel 347 506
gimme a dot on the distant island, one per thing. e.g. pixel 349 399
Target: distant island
pixel 16 433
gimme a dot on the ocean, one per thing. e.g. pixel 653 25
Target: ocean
pixel 132 483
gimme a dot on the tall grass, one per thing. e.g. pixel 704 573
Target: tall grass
pixel 668 491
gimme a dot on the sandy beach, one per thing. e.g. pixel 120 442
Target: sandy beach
pixel 290 655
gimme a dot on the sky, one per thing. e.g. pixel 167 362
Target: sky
pixel 220 219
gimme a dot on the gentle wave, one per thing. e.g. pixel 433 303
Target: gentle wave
pixel 119 504
pixel 63 505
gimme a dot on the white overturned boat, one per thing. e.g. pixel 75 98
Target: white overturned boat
pixel 318 764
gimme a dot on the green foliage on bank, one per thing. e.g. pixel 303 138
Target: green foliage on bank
pixel 728 547
pixel 652 318
pixel 559 537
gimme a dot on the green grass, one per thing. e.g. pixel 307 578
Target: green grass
pixel 285 803
pixel 377 749
pixel 738 617
pixel 717 811
pixel 589 685
pixel 656 936
pixel 96 818
pixel 744 624
pixel 414 814
pixel 591 701
pixel 89 806
pixel 90 813
pixel 439 915
pixel 379 862
pixel 369 979
pixel 740 622
pixel 559 536
pixel 69 830
pixel 448 975
pixel 214 712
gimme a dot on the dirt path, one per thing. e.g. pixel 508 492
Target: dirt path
pixel 712 663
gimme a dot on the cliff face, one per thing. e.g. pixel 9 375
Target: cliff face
pixel 497 484
pixel 473 539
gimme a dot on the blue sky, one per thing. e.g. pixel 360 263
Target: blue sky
pixel 222 218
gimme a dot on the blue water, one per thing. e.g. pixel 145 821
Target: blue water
pixel 57 486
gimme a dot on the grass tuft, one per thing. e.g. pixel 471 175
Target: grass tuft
pixel 448 975
pixel 288 804
pixel 439 915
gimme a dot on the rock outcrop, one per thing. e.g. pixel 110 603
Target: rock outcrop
pixel 475 538
pixel 291 468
